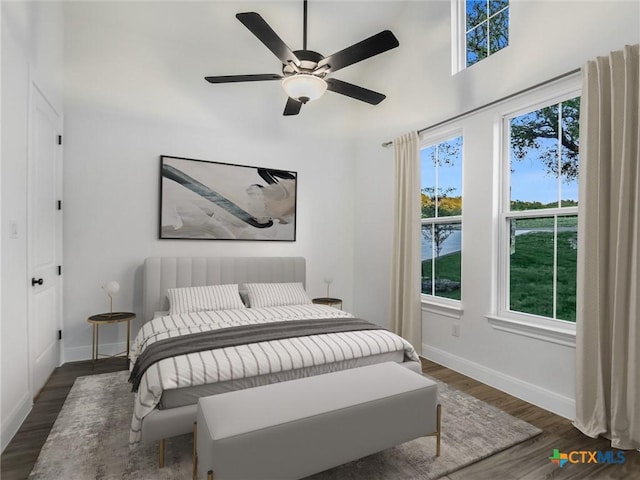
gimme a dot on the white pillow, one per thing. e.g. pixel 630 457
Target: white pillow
pixel 198 299
pixel 276 294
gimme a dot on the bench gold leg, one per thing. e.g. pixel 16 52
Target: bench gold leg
pixel 438 426
pixel 195 451
pixel 161 454
pixel 210 475
pixel 438 431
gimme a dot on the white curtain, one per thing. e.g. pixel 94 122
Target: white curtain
pixel 608 317
pixel 406 318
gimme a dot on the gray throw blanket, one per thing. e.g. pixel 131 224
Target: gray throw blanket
pixel 244 334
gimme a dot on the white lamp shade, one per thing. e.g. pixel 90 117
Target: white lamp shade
pixel 304 87
pixel 112 287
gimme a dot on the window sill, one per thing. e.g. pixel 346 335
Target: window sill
pixel 444 307
pixel 554 334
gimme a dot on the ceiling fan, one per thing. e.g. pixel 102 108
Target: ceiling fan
pixel 305 73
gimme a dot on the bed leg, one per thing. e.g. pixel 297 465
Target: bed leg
pixel 161 454
pixel 195 451
pixel 438 426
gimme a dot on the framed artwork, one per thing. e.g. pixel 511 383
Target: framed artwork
pixel 203 200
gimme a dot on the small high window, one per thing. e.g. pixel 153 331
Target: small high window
pixel 486 29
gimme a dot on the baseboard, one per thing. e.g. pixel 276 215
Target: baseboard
pixel 77 354
pixel 15 419
pixel 541 397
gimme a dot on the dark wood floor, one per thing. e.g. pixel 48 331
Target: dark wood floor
pixel 22 452
pixel 527 461
pixel 530 459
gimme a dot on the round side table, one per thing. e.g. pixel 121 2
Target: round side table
pixel 332 302
pixel 105 318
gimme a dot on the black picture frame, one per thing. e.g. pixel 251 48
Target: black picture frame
pixel 208 200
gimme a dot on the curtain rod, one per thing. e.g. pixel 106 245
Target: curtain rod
pixel 474 110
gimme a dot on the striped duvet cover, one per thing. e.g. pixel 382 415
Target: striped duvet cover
pixel 248 360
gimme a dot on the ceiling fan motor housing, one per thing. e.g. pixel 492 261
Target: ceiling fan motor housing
pixel 308 63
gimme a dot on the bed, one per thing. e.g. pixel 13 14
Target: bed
pixel 171 383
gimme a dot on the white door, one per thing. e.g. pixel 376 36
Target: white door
pixel 45 238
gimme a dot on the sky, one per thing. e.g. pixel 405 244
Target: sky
pixel 529 179
pixel 531 182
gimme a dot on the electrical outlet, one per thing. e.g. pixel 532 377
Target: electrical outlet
pixel 13 229
pixel 455 330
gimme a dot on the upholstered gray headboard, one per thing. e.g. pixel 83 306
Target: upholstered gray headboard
pixel 162 273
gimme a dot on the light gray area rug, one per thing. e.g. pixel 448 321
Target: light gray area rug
pixel 89 440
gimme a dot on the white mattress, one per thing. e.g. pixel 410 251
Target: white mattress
pixel 179 380
pixel 189 395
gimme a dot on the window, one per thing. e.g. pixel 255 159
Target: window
pixel 441 194
pixel 483 27
pixel 539 210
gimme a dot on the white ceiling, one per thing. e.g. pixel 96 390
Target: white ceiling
pixel 141 55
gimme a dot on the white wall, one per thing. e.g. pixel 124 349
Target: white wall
pixel 134 91
pixel 133 94
pixel 31 51
pixel 546 39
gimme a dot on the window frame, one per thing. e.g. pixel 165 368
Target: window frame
pixel 554 330
pixel 443 305
pixel 459 35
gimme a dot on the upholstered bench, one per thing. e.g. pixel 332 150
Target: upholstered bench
pixel 293 429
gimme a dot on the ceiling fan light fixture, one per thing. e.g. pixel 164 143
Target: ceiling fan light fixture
pixel 304 87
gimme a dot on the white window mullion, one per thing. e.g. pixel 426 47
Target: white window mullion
pixel 555 266
pixel 559 156
pixel 433 258
pixel 488 30
pixel 547 212
pixel 441 220
pixel 506 264
pixel 555 217
pixel 436 196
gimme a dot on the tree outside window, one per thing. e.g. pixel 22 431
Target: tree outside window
pixel 486 28
pixel 541 212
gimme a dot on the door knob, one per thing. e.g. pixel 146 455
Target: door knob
pixel 38 281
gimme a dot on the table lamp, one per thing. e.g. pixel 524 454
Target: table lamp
pixel 111 288
pixel 328 280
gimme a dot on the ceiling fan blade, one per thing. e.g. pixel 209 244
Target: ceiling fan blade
pixel 261 29
pixel 292 107
pixel 357 52
pixel 354 91
pixel 243 78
